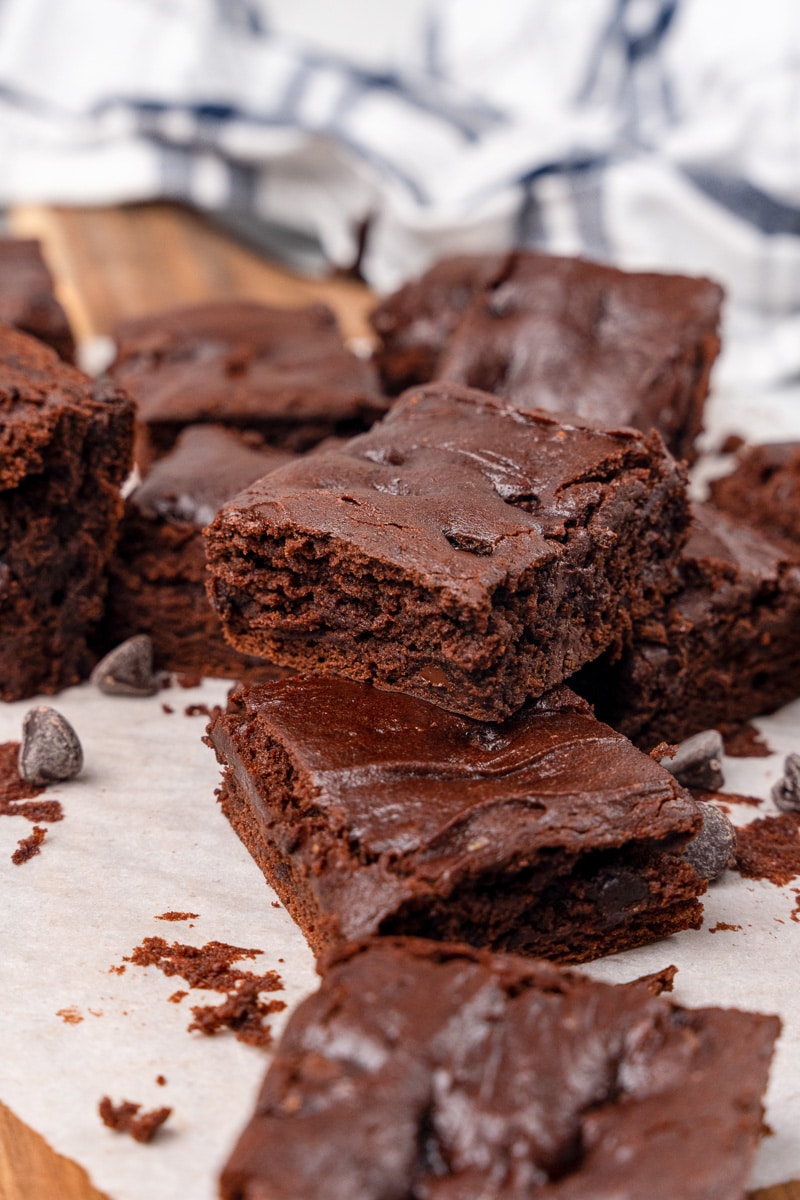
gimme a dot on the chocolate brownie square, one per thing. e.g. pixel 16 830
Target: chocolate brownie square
pixel 157 575
pixel 420 1071
pixel 27 299
pixel 568 336
pixel 284 373
pixel 764 490
pixel 372 812
pixel 462 550
pixel 726 648
pixel 65 449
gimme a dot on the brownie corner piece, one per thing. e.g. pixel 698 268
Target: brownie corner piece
pixel 372 812
pixel 463 551
pixel 421 1070
pixel 65 450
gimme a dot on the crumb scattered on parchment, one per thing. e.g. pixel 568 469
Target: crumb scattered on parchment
pixel 167 708
pixel 243 1010
pixel 722 925
pixel 126 1117
pixel 744 741
pixel 29 846
pixel 723 799
pixel 70 1016
pixel 795 914
pixel 177 916
pixel 17 795
pixel 176 997
pixel 161 1080
pixel 120 970
pixel 186 680
pixel 658 982
pixel 200 710
pixel 276 903
pixel 769 848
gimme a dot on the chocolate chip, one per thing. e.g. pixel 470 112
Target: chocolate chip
pixel 786 792
pixel 127 670
pixel 697 763
pixel 50 750
pixel 714 847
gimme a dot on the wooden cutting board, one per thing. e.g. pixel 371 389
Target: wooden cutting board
pixel 112 263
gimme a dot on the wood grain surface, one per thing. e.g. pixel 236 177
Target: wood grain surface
pixel 112 263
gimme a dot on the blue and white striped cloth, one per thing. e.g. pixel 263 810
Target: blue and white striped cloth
pixel 650 133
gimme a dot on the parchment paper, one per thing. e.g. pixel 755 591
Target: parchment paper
pixel 143 835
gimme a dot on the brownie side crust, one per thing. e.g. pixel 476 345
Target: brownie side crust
pixel 462 551
pixel 284 373
pixel 726 649
pixel 419 1070
pixel 764 490
pixel 27 297
pixel 157 575
pixel 372 812
pixel 65 449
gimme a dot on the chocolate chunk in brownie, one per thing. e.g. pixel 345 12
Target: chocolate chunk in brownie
pixel 27 299
pixel 421 1071
pixel 726 648
pixel 462 550
pixel 371 812
pixel 566 335
pixel 65 448
pixel 283 373
pixel 764 490
pixel 157 579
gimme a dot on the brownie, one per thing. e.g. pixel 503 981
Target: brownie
pixel 568 336
pixel 726 649
pixel 65 448
pixel 372 812
pixel 284 373
pixel 157 576
pixel 27 298
pixel 420 1071
pixel 463 551
pixel 764 489
pixel 415 323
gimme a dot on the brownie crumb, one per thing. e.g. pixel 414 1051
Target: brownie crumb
pixel 126 1118
pixel 795 913
pixel 17 794
pixel 176 997
pixel 29 846
pixel 161 1080
pixel 732 443
pixel 769 848
pixel 200 710
pixel 211 967
pixel 242 1011
pixel 176 916
pixel 167 708
pixel 120 970
pixel 721 925
pixel 744 741
pixel 276 903
pixel 70 1016
pixel 658 982
pixel 186 680
pixel 723 799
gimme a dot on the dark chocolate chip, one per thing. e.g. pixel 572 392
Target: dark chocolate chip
pixel 786 792
pixel 127 670
pixel 697 763
pixel 50 750
pixel 714 848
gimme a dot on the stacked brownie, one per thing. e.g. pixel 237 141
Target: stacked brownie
pixel 764 490
pixel 283 374
pixel 561 334
pixel 65 449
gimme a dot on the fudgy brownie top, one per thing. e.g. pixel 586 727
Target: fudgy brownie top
pixel 37 390
pixel 419 1070
pixel 460 490
pixel 570 335
pixel 27 299
pixel 236 360
pixel 208 465
pixel 764 489
pixel 438 792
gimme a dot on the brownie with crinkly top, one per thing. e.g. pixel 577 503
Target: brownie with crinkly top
pixel 564 334
pixel 421 1071
pixel 372 812
pixel 65 450
pixel 282 373
pixel 463 550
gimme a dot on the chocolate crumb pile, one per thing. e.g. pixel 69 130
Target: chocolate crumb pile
pixel 29 846
pixel 177 916
pixel 17 795
pixel 125 1117
pixel 744 741
pixel 769 848
pixel 243 1011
